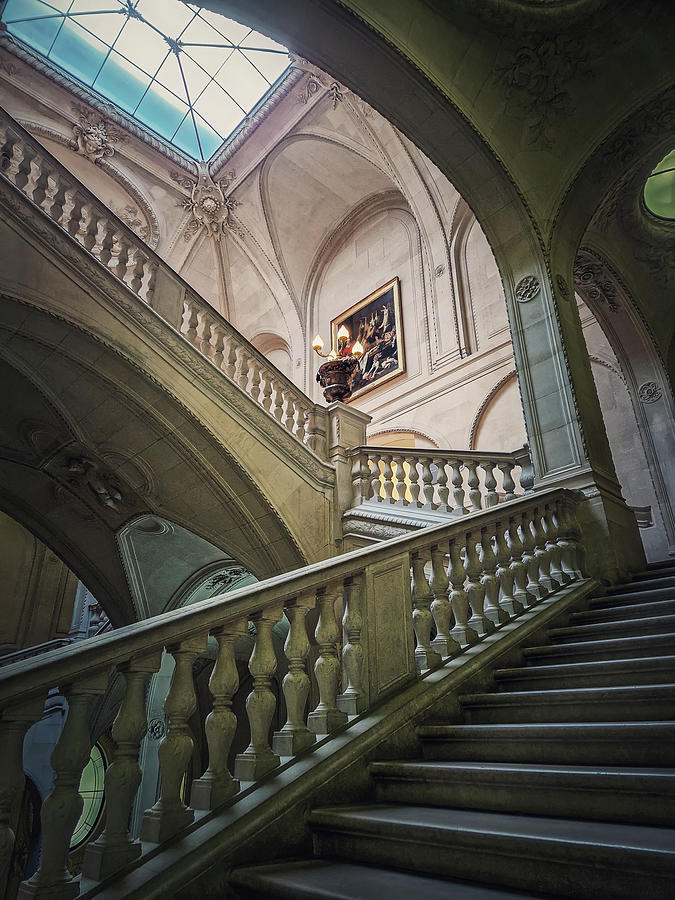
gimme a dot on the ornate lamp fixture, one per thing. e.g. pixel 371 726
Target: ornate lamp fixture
pixel 335 375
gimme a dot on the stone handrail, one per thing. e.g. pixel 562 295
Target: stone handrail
pixel 27 165
pixel 409 604
pixel 423 479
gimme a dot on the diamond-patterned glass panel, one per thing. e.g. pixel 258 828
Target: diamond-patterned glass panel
pixel 188 74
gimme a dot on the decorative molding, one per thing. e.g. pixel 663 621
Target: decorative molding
pixel 86 473
pixel 439 270
pixel 650 392
pixel 527 288
pixel 95 134
pixel 593 281
pixel 562 286
pixel 209 206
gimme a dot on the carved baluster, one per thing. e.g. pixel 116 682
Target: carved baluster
pixel 427 483
pixel 353 698
pixel 133 270
pixel 118 255
pixel 489 580
pixel 491 496
pixel 414 477
pixel 14 168
pixel 444 644
pixel 169 814
pixel 473 483
pixel 266 381
pixel 458 494
pixel 299 428
pixel 52 201
pixel 217 344
pixel 254 388
pixel 507 601
pixel 475 589
pixel 442 481
pixel 542 554
pixel 188 325
pixel 326 717
pixel 62 808
pixel 230 356
pixel 529 559
pixel 361 487
pixel 289 409
pixel 377 492
pixel 203 337
pixel 278 405
pixel 520 591
pixel 115 847
pixel 217 784
pixel 241 368
pixel 148 277
pixel 527 471
pixel 69 214
pixel 14 723
pixel 35 182
pixel 295 737
pixel 508 484
pixel 425 656
pixel 551 533
pixel 388 479
pixel 462 632
pixel 100 248
pixel 86 226
pixel 398 480
pixel 259 758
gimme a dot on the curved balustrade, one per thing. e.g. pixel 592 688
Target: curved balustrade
pixel 449 481
pixel 454 583
pixel 68 203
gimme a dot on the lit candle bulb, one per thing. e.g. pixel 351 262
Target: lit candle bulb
pixel 317 343
pixel 343 334
pixel 357 349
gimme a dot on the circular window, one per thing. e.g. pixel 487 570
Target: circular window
pixel 91 791
pixel 660 189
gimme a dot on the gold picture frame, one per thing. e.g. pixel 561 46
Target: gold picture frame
pixel 376 323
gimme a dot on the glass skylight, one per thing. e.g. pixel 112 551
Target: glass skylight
pixel 660 188
pixel 188 74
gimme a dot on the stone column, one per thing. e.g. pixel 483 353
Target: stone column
pixel 347 429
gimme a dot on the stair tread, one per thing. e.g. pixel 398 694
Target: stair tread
pixel 652 582
pixel 614 693
pixel 591 666
pixel 623 609
pixel 337 880
pixel 371 818
pixel 592 627
pixel 601 643
pixel 545 728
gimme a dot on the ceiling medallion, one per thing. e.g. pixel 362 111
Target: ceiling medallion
pixel 649 392
pixel 208 204
pixel 527 288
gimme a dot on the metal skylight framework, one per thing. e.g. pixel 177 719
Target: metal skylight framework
pixel 188 74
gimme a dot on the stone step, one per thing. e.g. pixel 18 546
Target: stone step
pixel 327 879
pixel 591 744
pixel 631 597
pixel 656 569
pixel 647 670
pixel 642 796
pixel 595 704
pixel 614 648
pixel 600 630
pixel 579 859
pixel 631 611
pixel 646 583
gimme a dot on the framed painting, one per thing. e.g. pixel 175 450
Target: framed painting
pixel 376 323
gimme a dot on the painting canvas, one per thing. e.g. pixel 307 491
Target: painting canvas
pixel 376 323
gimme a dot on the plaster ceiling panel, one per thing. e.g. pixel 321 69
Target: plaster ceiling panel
pixel 256 308
pixel 251 212
pixel 201 272
pixel 311 185
pixel 337 121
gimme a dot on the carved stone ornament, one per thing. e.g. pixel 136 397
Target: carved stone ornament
pixel 562 287
pixel 311 87
pixel 527 288
pixel 83 472
pixel 649 392
pixel 156 729
pixel 335 90
pixel 129 215
pixel 94 135
pixel 593 282
pixel 439 270
pixel 208 204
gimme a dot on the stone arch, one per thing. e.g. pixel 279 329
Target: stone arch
pixel 498 391
pixel 276 349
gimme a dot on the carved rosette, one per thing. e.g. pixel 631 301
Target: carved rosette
pixel 527 288
pixel 593 282
pixel 210 208
pixel 649 392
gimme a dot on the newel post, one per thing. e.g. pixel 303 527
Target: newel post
pixel 346 430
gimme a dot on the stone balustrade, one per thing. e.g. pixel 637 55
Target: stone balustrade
pixel 454 482
pixel 26 164
pixel 380 616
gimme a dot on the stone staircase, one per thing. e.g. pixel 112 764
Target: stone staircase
pixel 560 783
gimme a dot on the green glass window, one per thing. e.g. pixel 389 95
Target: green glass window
pixel 188 74
pixel 660 189
pixel 91 791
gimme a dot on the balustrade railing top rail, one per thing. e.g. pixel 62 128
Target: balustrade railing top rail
pixel 27 165
pixel 423 478
pixel 436 591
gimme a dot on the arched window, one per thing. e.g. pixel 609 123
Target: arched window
pixel 660 189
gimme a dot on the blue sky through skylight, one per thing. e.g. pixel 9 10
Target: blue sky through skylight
pixel 189 74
